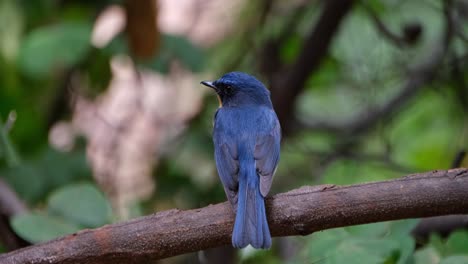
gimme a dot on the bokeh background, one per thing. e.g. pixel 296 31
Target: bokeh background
pixel 102 117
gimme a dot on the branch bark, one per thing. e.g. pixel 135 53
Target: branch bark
pixel 443 225
pixel 298 212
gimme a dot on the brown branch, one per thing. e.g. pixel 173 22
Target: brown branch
pixel 291 82
pixel 298 212
pixel 443 225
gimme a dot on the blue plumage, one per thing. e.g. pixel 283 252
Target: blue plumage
pixel 246 137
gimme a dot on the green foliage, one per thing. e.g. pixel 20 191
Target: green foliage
pixel 427 255
pixel 417 125
pixel 173 47
pixel 33 179
pixel 457 243
pixel 451 250
pixel 455 260
pixel 11 29
pixel 81 203
pixel 69 209
pixel 179 48
pixel 251 256
pixel 39 227
pixel 54 46
pixel 388 242
pixel 6 148
pixel 290 49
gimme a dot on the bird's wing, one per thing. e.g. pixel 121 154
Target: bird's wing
pixel 267 151
pixel 226 160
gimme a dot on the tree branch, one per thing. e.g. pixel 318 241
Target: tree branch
pixel 292 81
pixel 298 212
pixel 443 225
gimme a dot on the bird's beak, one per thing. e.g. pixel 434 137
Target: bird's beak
pixel 209 84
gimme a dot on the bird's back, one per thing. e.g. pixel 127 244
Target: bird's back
pixel 243 124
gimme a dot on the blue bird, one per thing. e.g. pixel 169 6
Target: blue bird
pixel 246 138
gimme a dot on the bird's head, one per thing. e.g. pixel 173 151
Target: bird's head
pixel 239 89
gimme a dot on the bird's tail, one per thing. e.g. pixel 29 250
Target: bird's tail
pixel 251 226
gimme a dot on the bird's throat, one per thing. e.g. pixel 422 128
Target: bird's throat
pixel 220 101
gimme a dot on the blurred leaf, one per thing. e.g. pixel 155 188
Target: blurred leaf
pixel 251 256
pixel 29 132
pixel 427 255
pixel 436 242
pixel 377 6
pixel 180 48
pixel 290 49
pixel 82 204
pixel 395 233
pixel 339 247
pixel 364 55
pixel 98 71
pixel 401 231
pixel 361 250
pixel 455 260
pixel 34 178
pixel 37 227
pixel 118 45
pixel 416 125
pixel 6 147
pixel 402 228
pixel 407 246
pixel 457 243
pixel 161 62
pixel 369 230
pixel 326 76
pixel 323 243
pixel 453 246
pixel 345 171
pixel 61 45
pixel 25 180
pixel 36 11
pixel 11 27
pixel 386 242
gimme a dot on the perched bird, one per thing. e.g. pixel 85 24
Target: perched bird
pixel 246 138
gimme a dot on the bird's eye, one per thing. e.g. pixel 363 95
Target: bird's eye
pixel 228 89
